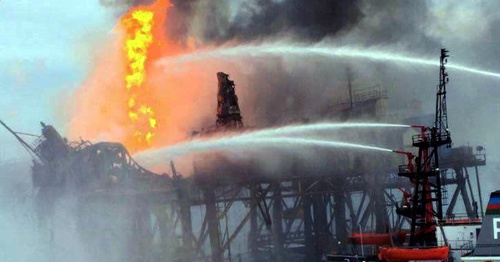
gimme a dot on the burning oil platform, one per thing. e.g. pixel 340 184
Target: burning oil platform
pixel 344 207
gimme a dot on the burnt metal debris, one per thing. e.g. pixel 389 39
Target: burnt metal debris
pixel 228 109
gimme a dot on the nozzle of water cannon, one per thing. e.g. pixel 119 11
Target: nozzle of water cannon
pixel 421 127
pixel 409 154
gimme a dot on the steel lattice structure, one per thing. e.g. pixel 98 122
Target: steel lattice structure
pixel 234 212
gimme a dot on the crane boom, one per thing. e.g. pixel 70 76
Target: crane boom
pixel 28 147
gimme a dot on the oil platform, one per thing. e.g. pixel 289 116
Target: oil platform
pixel 340 207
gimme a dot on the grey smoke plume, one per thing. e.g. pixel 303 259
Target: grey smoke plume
pixel 224 20
pixel 392 22
pixel 219 21
pixel 280 90
pixel 275 88
pixel 249 20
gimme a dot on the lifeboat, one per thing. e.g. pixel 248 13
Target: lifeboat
pixel 407 254
pixel 377 238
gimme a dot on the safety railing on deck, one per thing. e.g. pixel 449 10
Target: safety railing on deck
pixel 359 96
pixel 461 219
pixel 417 139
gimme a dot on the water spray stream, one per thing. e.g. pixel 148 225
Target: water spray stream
pixel 317 50
pixel 240 143
pixel 300 129
pixel 261 139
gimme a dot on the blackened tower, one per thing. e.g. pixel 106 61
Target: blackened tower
pixel 228 109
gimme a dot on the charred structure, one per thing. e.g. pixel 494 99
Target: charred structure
pixel 99 177
pixel 232 210
pixel 228 109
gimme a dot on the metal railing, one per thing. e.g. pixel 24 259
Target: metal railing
pixel 428 138
pixel 462 219
pixel 360 96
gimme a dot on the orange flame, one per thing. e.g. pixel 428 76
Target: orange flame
pixel 139 24
pixel 128 98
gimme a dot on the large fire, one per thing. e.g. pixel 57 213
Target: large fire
pixel 125 94
pixel 139 25
pixel 128 98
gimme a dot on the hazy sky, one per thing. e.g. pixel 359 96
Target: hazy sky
pixel 39 56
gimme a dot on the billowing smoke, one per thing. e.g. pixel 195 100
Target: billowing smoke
pixel 392 23
pixel 285 88
pixel 227 20
pixel 250 20
pixel 279 89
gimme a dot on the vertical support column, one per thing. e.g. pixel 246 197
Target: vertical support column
pixel 308 221
pixel 321 230
pixel 461 183
pixel 474 213
pixel 253 234
pixel 339 215
pixel 340 220
pixel 415 209
pixel 277 226
pixel 381 219
pixel 479 192
pixel 185 213
pixel 213 224
pixel 439 196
